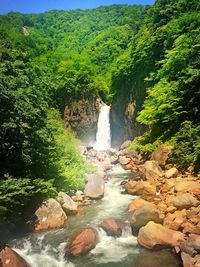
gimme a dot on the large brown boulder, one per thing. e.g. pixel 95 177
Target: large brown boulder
pixel 112 227
pixel 137 203
pixel 171 173
pixel 140 188
pixel 187 186
pixel 68 205
pixel 123 160
pixel 183 201
pixel 94 188
pixel 153 234
pixel 161 154
pixel 10 258
pixel 151 170
pixel 81 242
pixel 143 215
pixel 50 215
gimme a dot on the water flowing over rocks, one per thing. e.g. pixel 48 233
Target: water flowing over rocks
pixel 50 215
pixel 10 258
pixel 81 242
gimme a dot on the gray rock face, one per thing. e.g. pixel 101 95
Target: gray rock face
pixel 143 215
pixel 183 201
pixel 68 205
pixel 94 187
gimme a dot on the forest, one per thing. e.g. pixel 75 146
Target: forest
pixel 48 60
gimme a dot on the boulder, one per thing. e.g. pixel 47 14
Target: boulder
pixel 140 188
pixel 68 205
pixel 161 154
pixel 183 201
pixel 137 203
pixel 81 242
pixel 153 234
pixel 124 160
pixel 94 188
pixel 143 215
pixel 112 227
pixel 171 173
pixel 191 245
pixel 188 261
pixel 10 258
pixel 50 215
pixel 187 186
pixel 151 170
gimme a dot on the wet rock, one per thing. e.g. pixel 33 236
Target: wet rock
pixel 81 242
pixel 143 215
pixel 161 154
pixel 156 259
pixel 94 188
pixel 140 188
pixel 10 258
pixel 68 205
pixel 50 215
pixel 155 235
pixel 171 173
pixel 183 201
pixel 151 170
pixel 137 203
pixel 112 227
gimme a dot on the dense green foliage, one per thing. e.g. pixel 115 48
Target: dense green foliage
pixel 47 60
pixel 149 54
pixel 163 75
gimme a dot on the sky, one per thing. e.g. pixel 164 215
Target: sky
pixel 38 6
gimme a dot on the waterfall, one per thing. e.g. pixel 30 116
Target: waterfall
pixel 103 137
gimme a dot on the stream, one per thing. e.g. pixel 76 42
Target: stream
pixel 46 249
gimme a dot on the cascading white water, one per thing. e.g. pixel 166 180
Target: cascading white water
pixel 103 136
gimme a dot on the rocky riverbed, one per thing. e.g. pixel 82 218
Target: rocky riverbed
pixel 155 206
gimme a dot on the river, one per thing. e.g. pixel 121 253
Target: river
pixel 46 249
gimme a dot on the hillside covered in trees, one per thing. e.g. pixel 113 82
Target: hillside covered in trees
pixel 47 60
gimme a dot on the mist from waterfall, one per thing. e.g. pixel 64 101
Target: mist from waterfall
pixel 103 135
